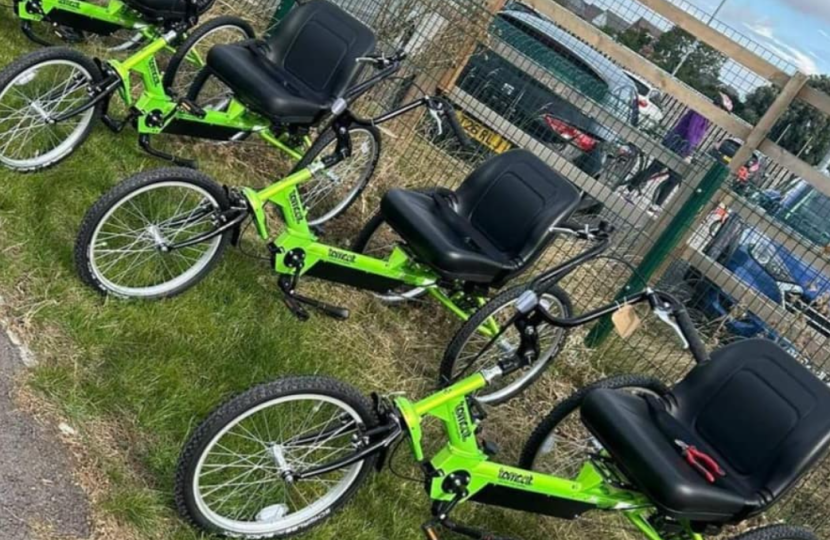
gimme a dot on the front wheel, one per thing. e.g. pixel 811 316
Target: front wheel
pixel 560 445
pixel 236 475
pixel 36 89
pixel 126 244
pixel 334 190
pixel 462 356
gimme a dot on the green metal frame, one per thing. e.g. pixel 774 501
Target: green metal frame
pixel 115 12
pixel 297 235
pixel 464 453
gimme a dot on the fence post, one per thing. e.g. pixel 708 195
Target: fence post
pixel 282 10
pixel 702 198
pixel 665 244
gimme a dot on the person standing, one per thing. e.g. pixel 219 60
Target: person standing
pixel 684 140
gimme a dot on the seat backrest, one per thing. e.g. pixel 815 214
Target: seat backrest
pixel 316 47
pixel 762 411
pixel 513 200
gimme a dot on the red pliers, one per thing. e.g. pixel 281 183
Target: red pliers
pixel 703 463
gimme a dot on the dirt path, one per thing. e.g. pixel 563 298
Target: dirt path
pixel 38 497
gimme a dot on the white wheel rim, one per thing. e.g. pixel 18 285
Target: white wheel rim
pixel 548 301
pixel 19 126
pixel 315 511
pixel 162 288
pixel 351 173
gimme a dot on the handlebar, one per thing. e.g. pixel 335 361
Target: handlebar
pixel 665 306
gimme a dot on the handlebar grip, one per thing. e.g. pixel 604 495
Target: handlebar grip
pixel 455 125
pixel 696 346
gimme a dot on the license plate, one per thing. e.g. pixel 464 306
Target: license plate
pixel 484 135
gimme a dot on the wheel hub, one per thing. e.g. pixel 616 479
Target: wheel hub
pixel 158 239
pixel 277 453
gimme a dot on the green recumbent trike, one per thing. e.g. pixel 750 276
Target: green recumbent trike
pixel 719 447
pixel 160 232
pixel 71 20
pixel 280 90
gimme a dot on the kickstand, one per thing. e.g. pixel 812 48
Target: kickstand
pixel 144 142
pixel 295 302
pixel 441 512
pixel 430 529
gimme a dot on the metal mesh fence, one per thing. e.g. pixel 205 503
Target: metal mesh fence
pixel 752 263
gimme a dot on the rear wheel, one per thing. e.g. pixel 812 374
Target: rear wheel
pixel 333 191
pixel 235 473
pixel 191 57
pixel 123 248
pixel 34 90
pixel 460 358
pixel 560 445
pixel 377 239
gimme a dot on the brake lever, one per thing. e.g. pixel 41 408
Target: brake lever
pixel 665 316
pixel 436 116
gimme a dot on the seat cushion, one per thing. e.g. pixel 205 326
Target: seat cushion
pixel 762 415
pixel 765 412
pixel 262 85
pixel 166 9
pixel 624 425
pixel 417 218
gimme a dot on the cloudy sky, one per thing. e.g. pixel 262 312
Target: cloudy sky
pixel 796 30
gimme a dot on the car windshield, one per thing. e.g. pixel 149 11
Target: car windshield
pixel 811 217
pixel 550 54
pixel 642 89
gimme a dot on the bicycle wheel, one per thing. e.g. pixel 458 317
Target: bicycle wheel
pixel 777 532
pixel 189 59
pixel 36 88
pixel 561 444
pixel 460 357
pixel 235 473
pixel 333 191
pixel 123 246
pixel 377 239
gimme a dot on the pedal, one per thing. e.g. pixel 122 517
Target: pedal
pixel 191 108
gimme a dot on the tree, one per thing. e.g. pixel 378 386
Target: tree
pixel 802 130
pixel 610 31
pixel 701 70
pixel 635 39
